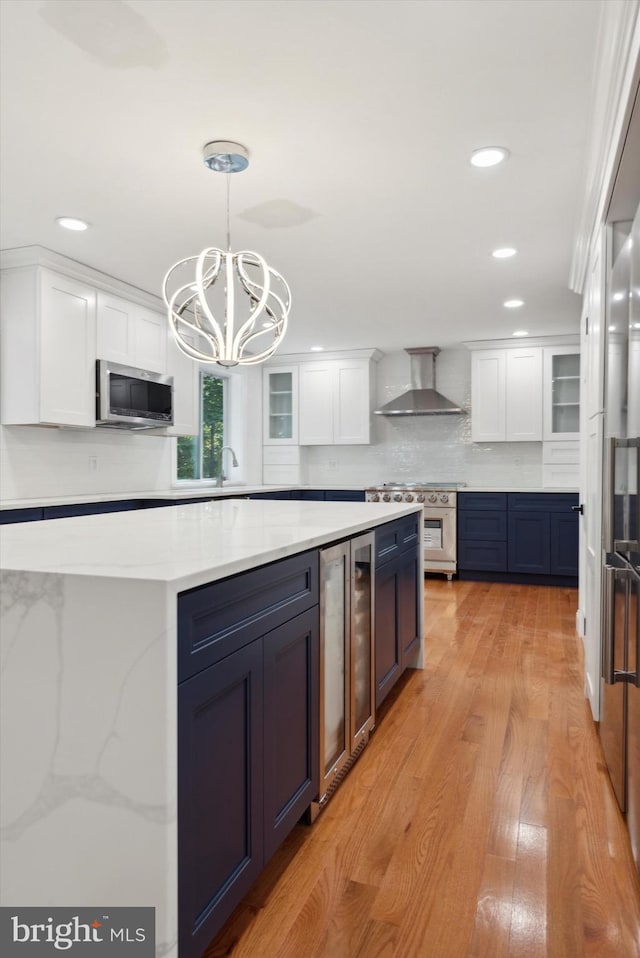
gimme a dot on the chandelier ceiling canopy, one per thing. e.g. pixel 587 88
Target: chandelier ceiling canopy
pixel 224 307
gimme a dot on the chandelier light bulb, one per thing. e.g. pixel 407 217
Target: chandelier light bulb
pixel 224 307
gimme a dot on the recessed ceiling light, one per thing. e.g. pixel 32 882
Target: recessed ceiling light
pixel 617 297
pixel 513 303
pixel 635 325
pixel 489 156
pixel 316 349
pixel 504 252
pixel 612 329
pixel 520 332
pixel 71 223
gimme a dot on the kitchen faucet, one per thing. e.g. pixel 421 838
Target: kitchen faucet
pixel 234 462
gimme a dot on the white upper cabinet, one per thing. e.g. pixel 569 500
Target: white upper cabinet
pixel 186 391
pixel 488 390
pixel 280 405
pixel 131 334
pixel 561 392
pixel 506 395
pixel 48 348
pixel 335 403
pixel 524 395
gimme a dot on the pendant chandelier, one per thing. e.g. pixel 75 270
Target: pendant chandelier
pixel 203 292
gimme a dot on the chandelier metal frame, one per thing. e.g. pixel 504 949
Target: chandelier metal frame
pixel 196 330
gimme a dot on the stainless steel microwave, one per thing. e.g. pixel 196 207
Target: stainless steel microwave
pixel 132 398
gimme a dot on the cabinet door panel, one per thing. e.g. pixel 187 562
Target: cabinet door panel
pixel 482 556
pixel 482 524
pixel 67 351
pixel 186 391
pixel 488 374
pixel 316 405
pixel 115 340
pixel 351 412
pixel 523 399
pixel 529 549
pixel 151 333
pixel 408 616
pixel 388 669
pixel 220 825
pixel 564 544
pixel 291 765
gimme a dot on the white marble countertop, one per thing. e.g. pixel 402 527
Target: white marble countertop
pixel 214 492
pixel 525 489
pixel 186 545
pixel 175 492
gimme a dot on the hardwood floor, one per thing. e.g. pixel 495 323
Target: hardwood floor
pixel 479 821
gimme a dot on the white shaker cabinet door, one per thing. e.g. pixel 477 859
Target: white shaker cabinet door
pixel 151 334
pixel 316 405
pixel 351 404
pixel 116 339
pixel 186 392
pixel 488 381
pixel 523 399
pixel 131 334
pixel 67 321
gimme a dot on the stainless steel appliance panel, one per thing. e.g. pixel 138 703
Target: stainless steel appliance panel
pixel 613 694
pixel 633 714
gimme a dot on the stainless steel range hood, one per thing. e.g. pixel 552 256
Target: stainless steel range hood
pixel 422 399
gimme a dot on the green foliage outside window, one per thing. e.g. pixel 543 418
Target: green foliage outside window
pixel 199 456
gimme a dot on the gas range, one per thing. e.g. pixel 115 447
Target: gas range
pixel 434 494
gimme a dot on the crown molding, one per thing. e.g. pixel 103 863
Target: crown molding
pixel 292 359
pixel 567 339
pixel 616 79
pixel 31 256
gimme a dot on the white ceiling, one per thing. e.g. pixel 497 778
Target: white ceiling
pixel 360 116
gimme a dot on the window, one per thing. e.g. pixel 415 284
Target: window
pixel 199 456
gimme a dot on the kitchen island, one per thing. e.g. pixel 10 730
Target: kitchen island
pixel 89 723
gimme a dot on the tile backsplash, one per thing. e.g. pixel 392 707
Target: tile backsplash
pixel 432 448
pixel 37 462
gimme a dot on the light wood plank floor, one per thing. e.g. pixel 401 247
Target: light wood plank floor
pixel 479 821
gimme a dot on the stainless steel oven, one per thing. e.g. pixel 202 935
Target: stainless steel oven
pixel 439 519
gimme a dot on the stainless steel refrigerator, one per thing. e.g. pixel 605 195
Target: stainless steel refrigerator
pixel 620 674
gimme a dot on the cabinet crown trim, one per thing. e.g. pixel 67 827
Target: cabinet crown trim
pixel 26 256
pixel 291 359
pixel 568 339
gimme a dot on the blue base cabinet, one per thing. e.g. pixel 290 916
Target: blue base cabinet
pixel 220 785
pixel 518 537
pixel 248 733
pixel 396 601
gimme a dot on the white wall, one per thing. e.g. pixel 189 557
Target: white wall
pixel 434 448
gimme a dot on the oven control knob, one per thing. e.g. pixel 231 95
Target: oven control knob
pixel 433 497
pixel 408 497
pixel 444 497
pixel 397 496
pixel 420 497
pixel 373 497
pixel 386 497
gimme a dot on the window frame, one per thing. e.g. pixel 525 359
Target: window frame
pixel 213 372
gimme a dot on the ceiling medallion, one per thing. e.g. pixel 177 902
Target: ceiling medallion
pixel 200 291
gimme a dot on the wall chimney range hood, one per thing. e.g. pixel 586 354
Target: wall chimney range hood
pixel 422 399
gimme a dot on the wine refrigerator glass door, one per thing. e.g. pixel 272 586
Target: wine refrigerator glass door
pixel 335 613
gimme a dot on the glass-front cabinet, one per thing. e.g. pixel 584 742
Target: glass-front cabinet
pixel 280 405
pixel 561 392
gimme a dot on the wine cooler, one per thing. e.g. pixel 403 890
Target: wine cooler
pixel 347 690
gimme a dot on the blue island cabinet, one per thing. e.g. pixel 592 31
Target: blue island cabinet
pixel 396 601
pixel 247 733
